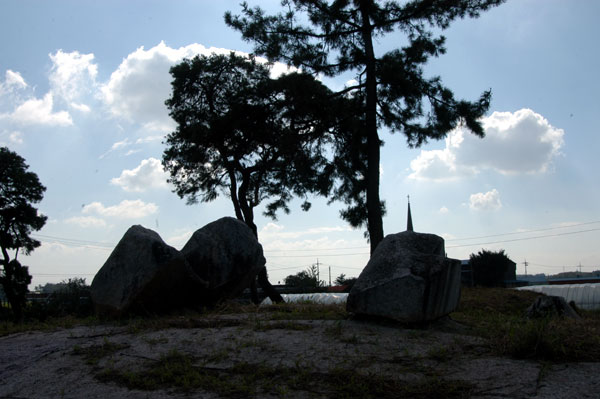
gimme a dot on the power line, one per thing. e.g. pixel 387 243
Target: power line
pixel 73 240
pixel 319 249
pixel 524 238
pixel 524 232
pixel 314 255
pixel 109 246
pixel 562 266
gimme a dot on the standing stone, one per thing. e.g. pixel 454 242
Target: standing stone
pixel 226 255
pixel 408 279
pixel 144 274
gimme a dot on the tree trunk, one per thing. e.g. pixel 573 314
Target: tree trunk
pixel 248 213
pixel 374 216
pixel 10 291
pixel 233 193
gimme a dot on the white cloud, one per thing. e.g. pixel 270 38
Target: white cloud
pixel 149 139
pixel 39 112
pixel 72 75
pixel 9 138
pixel 137 90
pixel 148 174
pixel 72 79
pixel 116 146
pixel 139 87
pixel 131 152
pixel 489 201
pixel 443 210
pixel 127 209
pixel 12 80
pixel 120 144
pixel 179 240
pixel 273 230
pixel 519 142
pixel 86 221
pixel 81 107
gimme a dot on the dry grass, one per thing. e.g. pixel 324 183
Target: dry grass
pixel 499 315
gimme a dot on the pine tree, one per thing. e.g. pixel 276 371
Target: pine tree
pixel 338 37
pixel 248 136
pixel 19 188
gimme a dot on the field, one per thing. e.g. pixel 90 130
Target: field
pixel 485 349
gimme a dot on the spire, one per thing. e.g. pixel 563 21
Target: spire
pixel 409 225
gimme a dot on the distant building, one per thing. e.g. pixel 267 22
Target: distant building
pixel 508 277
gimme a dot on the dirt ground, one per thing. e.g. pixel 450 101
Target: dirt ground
pixel 61 364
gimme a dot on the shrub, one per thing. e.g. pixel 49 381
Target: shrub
pixel 71 299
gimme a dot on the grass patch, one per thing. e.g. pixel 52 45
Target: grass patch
pixel 499 315
pixel 440 353
pixel 50 324
pixel 182 372
pixel 94 353
pixel 178 370
pixel 281 325
pixel 141 324
pixel 336 331
pixel 305 311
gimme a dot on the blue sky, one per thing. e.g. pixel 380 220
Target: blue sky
pixel 82 87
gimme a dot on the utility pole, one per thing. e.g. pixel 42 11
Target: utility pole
pixel 330 276
pixel 318 272
pixel 525 264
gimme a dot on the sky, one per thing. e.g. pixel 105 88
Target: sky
pixel 82 91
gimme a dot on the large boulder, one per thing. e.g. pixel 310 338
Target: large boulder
pixel 409 279
pixel 142 273
pixel 226 255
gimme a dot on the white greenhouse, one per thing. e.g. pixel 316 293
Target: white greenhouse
pixel 585 296
pixel 323 298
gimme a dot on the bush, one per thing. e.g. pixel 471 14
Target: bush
pixel 491 268
pixel 72 299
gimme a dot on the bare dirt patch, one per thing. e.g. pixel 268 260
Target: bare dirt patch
pixel 269 356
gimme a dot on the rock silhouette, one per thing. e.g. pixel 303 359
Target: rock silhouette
pixel 408 279
pixel 145 275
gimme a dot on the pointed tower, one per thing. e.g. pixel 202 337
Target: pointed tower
pixel 409 224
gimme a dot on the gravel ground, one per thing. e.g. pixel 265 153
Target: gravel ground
pixel 54 364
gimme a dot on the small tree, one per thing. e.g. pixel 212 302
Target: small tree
pixel 339 280
pixel 348 282
pixel 489 268
pixel 18 218
pixel 305 279
pixel 72 298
